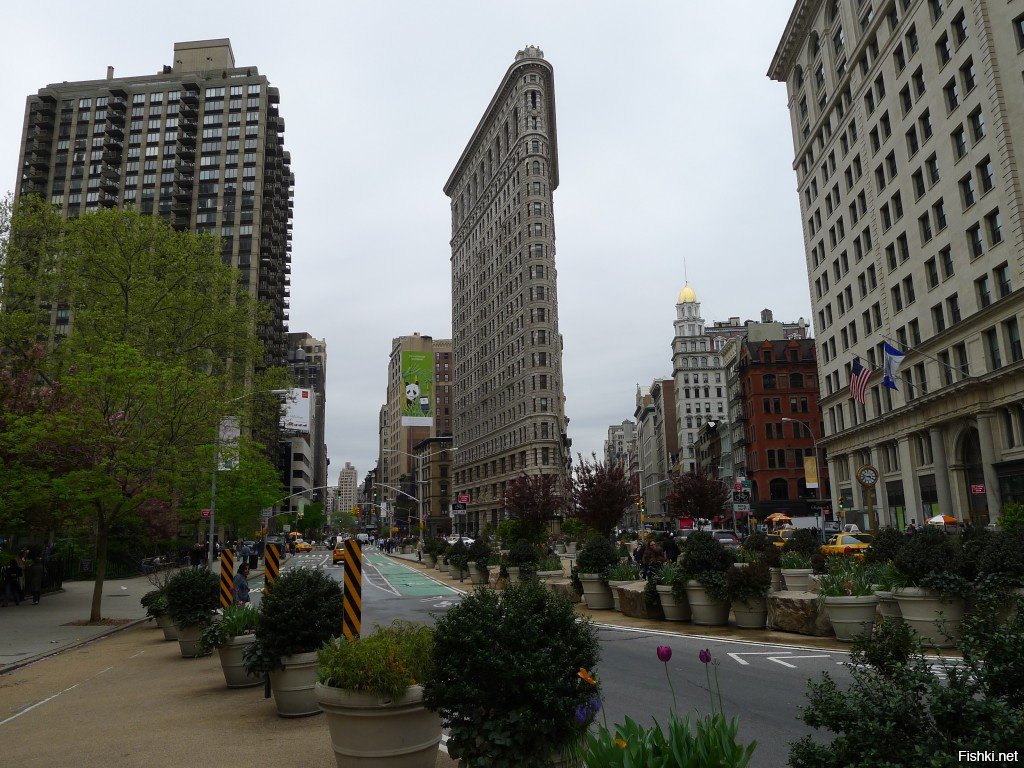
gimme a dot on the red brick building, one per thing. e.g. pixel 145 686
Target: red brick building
pixel 779 385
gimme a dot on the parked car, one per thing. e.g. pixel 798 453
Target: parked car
pixel 779 538
pixel 455 537
pixel 847 544
pixel 303 546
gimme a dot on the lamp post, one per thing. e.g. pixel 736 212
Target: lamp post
pixel 817 465
pixel 643 491
pixel 216 466
pixel 418 498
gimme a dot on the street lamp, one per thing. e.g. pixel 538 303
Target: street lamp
pixel 817 464
pixel 216 465
pixel 418 498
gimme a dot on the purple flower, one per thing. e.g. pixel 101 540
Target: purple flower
pixel 705 656
pixel 664 653
pixel 586 711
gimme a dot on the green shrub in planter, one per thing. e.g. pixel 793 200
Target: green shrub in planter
pixel 794 560
pixel 933 559
pixel 524 556
pixel 433 547
pixel 1002 557
pixel 818 562
pixel 845 576
pixel 667 574
pixel 624 570
pixel 480 553
pixel 506 681
pixel 597 556
pixel 385 663
pixel 298 614
pixel 1011 517
pixel 575 529
pixel 772 557
pixel 458 555
pixel 237 620
pixel 757 542
pixel 550 563
pixel 885 546
pixel 803 541
pixel 193 594
pixel 705 560
pixel 155 603
pixel 750 583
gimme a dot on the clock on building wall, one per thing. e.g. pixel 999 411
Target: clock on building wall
pixel 867 475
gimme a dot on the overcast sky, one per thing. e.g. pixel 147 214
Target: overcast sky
pixel 673 144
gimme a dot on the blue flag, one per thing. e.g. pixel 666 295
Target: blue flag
pixel 893 359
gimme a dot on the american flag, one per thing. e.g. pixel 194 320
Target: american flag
pixel 859 377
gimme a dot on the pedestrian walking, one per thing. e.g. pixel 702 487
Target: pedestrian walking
pixel 12 583
pixel 34 579
pixel 240 587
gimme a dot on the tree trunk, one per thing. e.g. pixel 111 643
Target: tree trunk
pixel 96 613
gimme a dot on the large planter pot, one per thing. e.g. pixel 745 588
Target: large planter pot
pixel 797 579
pixel 674 610
pixel 776 574
pixel 751 613
pixel 596 593
pixel 888 608
pixel 440 565
pixel 546 576
pixel 431 560
pixel 570 547
pixel 478 577
pixel 559 548
pixel 293 686
pixel 704 609
pixel 407 549
pixel 167 625
pixel 367 730
pixel 188 641
pixel 232 665
pixel 936 620
pixel 851 615
pixel 614 586
pixel 513 574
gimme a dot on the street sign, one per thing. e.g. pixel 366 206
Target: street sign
pixel 977 489
pixel 458 506
pixel 740 507
pixel 205 513
pixel 464 499
pixel 286 527
pixel 266 514
pixel 741 497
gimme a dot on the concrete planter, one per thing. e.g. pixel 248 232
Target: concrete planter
pixel 570 547
pixel 513 574
pixel 888 608
pixel 293 686
pixel 406 549
pixel 368 731
pixel 596 593
pixel 797 579
pixel 188 641
pixel 674 610
pixel 704 609
pixel 851 615
pixel 231 663
pixel 614 586
pixel 559 548
pixel 546 576
pixel 478 577
pixel 431 560
pixel 167 625
pixel 751 613
pixel 935 619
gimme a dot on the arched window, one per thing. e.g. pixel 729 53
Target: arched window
pixel 768 381
pixel 779 489
pixel 796 381
pixel 536 167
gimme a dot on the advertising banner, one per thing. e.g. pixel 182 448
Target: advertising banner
pixel 418 384
pixel 810 472
pixel 296 410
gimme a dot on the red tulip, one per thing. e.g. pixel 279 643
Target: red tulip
pixel 664 653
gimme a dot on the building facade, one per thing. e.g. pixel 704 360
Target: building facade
pixel 307 363
pixel 620 442
pixel 509 402
pixel 201 144
pixel 905 128
pixel 657 448
pixel 348 481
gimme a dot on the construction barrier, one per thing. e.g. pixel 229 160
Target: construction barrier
pixel 271 563
pixel 353 589
pixel 227 577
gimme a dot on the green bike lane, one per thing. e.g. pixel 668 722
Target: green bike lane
pixel 391 576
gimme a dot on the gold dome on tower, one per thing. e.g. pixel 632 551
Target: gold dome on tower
pixel 687 295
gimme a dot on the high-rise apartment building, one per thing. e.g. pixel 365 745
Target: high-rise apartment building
pixel 620 443
pixel 509 401
pixel 199 144
pixel 348 482
pixel 906 126
pixel 307 362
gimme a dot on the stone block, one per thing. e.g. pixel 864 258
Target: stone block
pixel 632 602
pixel 564 588
pixel 798 612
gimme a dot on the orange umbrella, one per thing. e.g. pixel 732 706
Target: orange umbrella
pixel 777 517
pixel 942 520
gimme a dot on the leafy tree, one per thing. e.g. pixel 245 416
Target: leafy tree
pixel 161 338
pixel 601 493
pixel 312 522
pixel 696 495
pixel 532 501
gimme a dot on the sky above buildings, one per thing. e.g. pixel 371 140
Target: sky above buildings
pixel 674 150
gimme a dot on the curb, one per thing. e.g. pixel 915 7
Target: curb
pixel 40 656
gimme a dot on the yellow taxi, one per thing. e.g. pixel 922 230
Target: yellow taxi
pixel 338 553
pixel 303 546
pixel 847 544
pixel 779 538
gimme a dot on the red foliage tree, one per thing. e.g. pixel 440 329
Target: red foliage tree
pixel 601 493
pixel 696 495
pixel 532 501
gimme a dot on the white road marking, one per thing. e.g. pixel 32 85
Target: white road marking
pixel 736 656
pixel 30 707
pixel 779 659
